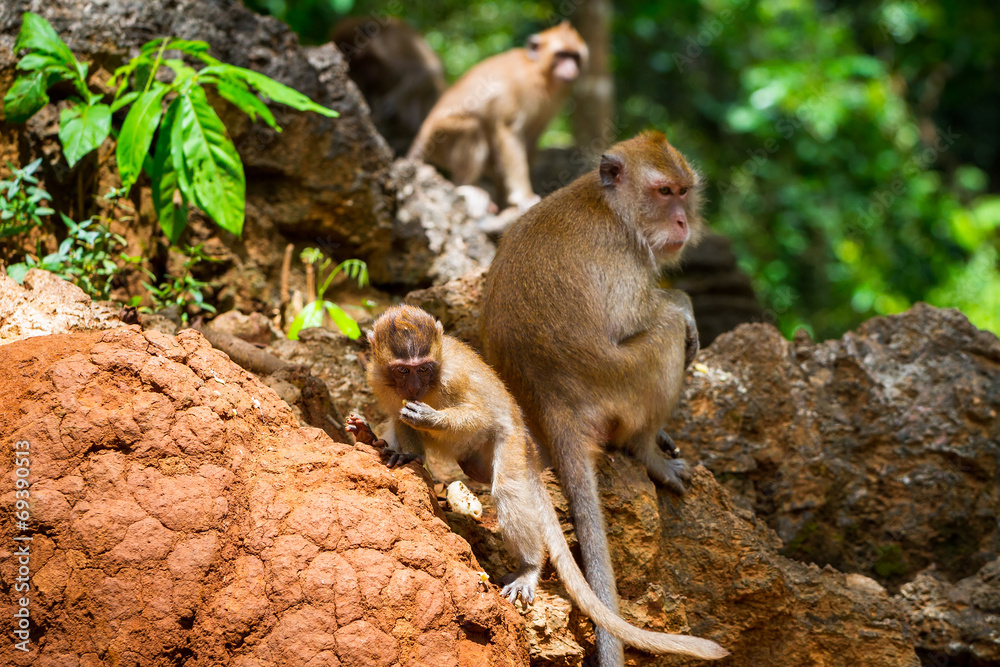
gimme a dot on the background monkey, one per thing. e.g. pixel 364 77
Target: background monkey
pixel 396 70
pixel 441 395
pixel 491 118
pixel 575 323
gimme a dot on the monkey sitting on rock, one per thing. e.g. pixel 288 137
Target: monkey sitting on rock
pixel 441 396
pixel 490 120
pixel 576 324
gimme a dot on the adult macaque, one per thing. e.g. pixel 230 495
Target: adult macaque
pixel 441 396
pixel 396 70
pixel 491 118
pixel 575 323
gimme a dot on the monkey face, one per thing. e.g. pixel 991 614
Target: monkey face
pixel 413 378
pixel 671 230
pixel 566 66
pixel 561 50
pixel 651 180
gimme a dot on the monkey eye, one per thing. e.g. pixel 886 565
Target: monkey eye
pixel 424 369
pixel 403 370
pixel 683 191
pixel 665 190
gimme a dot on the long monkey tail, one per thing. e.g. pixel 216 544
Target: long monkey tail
pixel 587 600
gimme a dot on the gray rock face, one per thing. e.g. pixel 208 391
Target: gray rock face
pixel 435 238
pixel 876 453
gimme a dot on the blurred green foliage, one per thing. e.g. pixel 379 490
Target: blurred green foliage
pixel 852 149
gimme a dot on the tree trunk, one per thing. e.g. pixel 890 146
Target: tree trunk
pixel 594 94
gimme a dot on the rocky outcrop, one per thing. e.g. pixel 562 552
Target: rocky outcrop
pixel 337 360
pixel 957 622
pixel 437 237
pixel 701 565
pixel 46 304
pixel 876 453
pixel 178 513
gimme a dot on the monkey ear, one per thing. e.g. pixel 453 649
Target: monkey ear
pixel 371 337
pixel 439 326
pixel 534 44
pixel 611 170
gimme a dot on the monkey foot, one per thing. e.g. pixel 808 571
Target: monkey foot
pixel 522 582
pixel 671 473
pixel 397 459
pixel 667 444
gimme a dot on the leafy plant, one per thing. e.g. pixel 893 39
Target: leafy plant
pixel 20 200
pixel 85 258
pixel 194 159
pixel 183 291
pixel 312 314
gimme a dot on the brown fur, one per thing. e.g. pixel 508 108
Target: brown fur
pixel 575 323
pixel 469 415
pixel 491 118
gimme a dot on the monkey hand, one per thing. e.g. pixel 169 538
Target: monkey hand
pixel 418 415
pixel 396 459
pixel 361 431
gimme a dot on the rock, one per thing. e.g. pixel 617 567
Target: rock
pixel 47 304
pixel 177 512
pixel 435 238
pixel 701 565
pixel 253 328
pixel 958 621
pixel 876 453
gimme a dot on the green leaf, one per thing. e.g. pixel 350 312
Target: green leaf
pixel 17 272
pixel 182 71
pixel 121 75
pixel 26 97
pixel 209 170
pixel 270 88
pixel 247 102
pixel 37 61
pixel 137 133
pixel 172 217
pixel 38 35
pixel 309 317
pixel 343 321
pixel 124 100
pixel 193 48
pixel 82 128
